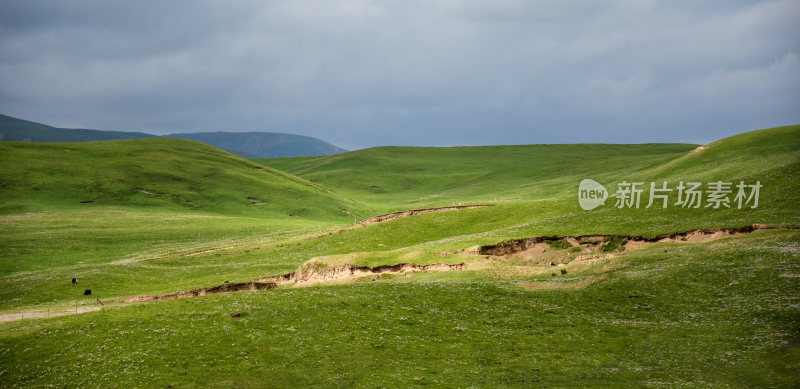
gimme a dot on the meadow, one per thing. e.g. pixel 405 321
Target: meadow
pixel 155 216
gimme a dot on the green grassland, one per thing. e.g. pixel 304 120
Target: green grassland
pixel 667 315
pixel 389 178
pixel 408 177
pixel 169 174
pixel 657 319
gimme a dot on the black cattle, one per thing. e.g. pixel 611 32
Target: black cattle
pixel 74 280
pixel 87 292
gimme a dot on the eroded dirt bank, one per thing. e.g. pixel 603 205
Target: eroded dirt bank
pixel 227 287
pixel 314 272
pixel 611 243
pixel 534 250
pixel 582 247
pixel 397 215
pixel 308 274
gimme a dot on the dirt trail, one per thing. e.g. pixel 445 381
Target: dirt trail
pixel 204 251
pixel 397 215
pixel 372 220
pixel 6 317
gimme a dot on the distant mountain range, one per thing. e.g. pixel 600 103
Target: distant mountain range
pixel 246 144
pixel 13 129
pixel 267 144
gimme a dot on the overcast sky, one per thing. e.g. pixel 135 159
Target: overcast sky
pixel 362 73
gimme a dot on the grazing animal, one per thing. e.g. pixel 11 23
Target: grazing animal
pixel 87 292
pixel 74 281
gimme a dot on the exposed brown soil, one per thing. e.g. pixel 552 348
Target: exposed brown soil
pixel 698 149
pixel 590 244
pixel 580 248
pixel 204 291
pixel 312 273
pixel 145 191
pixel 531 248
pixel 397 215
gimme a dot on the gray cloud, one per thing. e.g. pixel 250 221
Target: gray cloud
pixel 361 73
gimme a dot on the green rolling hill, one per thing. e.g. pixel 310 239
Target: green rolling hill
pixel 174 215
pixel 160 172
pixel 748 154
pixel 406 177
pixel 427 176
pixel 153 173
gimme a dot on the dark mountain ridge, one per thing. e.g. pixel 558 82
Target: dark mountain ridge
pixel 246 144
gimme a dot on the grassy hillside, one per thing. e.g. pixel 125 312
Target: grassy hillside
pixel 18 130
pixel 719 313
pixel 670 316
pixel 263 144
pixel 407 177
pixel 153 173
pixel 182 176
pixel 750 154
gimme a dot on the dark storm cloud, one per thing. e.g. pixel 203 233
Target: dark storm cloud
pixel 360 73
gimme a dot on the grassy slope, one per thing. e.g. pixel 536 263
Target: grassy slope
pixel 420 238
pixel 406 177
pixel 201 198
pixel 529 209
pixel 650 319
pixel 178 174
pixel 521 173
pixel 496 333
pixel 750 154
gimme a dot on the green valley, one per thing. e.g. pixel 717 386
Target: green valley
pixel 528 290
